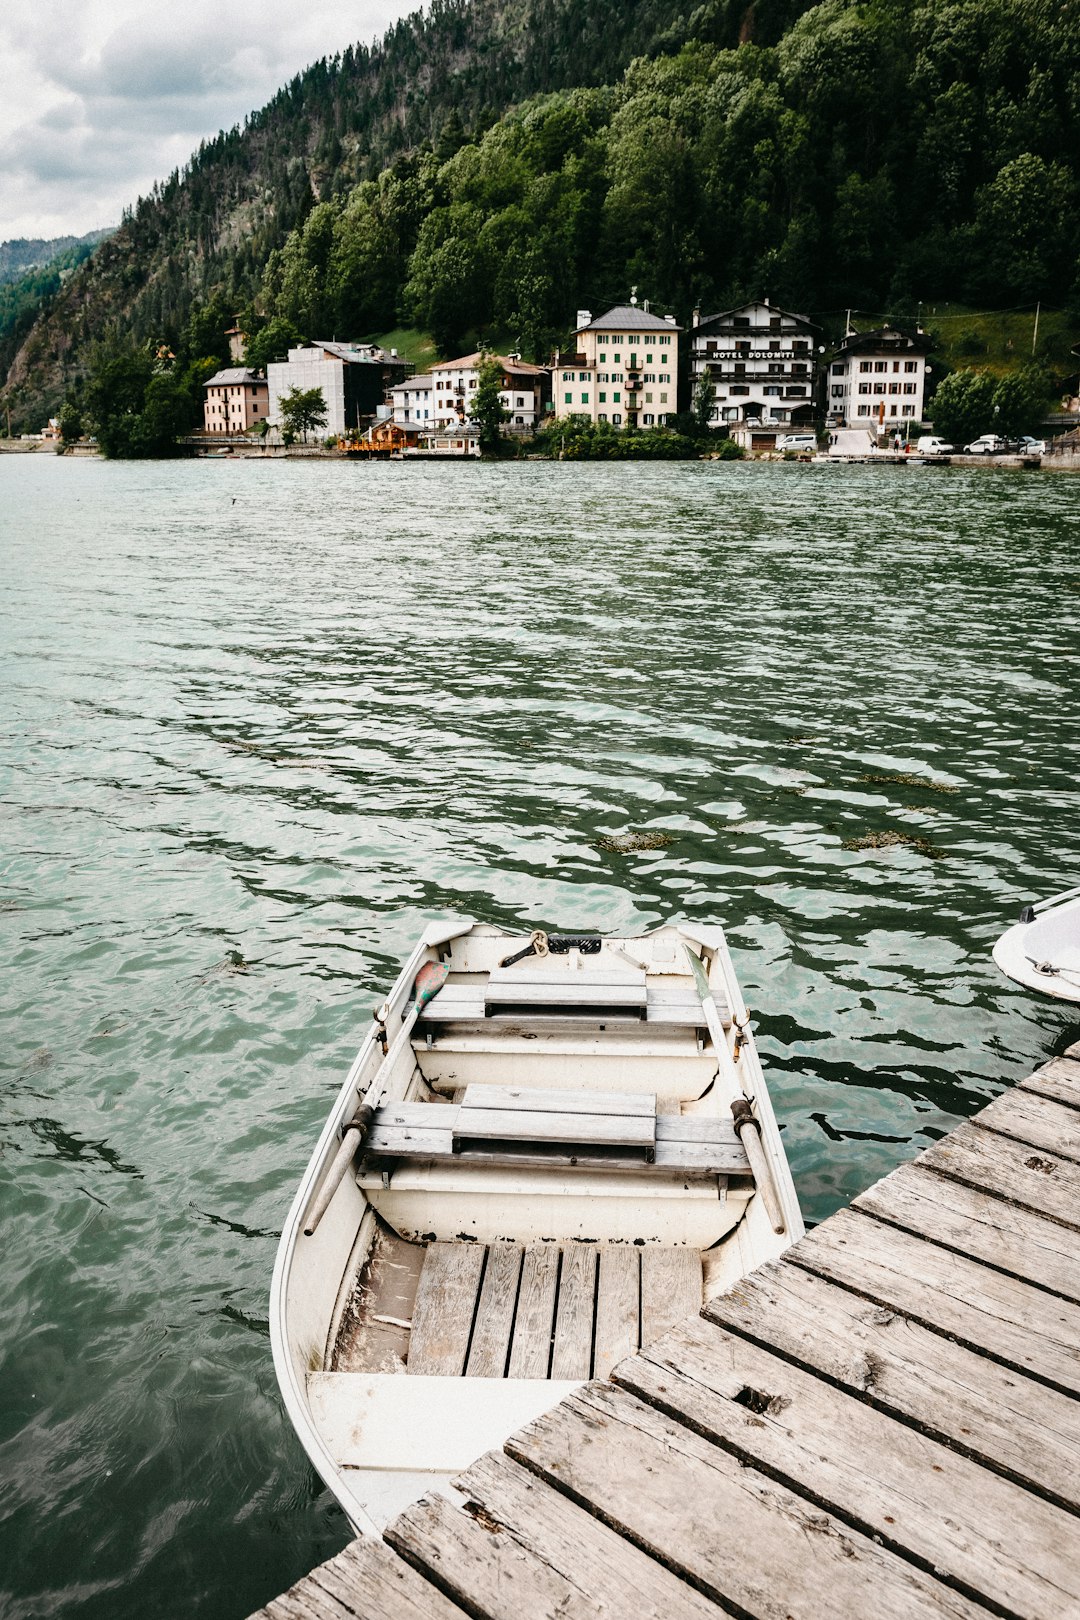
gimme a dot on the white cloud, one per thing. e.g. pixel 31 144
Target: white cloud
pixel 100 98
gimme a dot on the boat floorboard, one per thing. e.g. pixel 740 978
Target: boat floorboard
pixel 885 1421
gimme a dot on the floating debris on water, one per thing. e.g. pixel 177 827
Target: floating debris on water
pixel 628 843
pixel 892 837
pixel 906 779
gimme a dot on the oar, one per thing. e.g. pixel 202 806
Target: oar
pixel 429 981
pixel 746 1125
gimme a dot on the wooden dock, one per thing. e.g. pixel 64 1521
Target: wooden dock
pixel 885 1423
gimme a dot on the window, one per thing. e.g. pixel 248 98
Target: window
pixel 864 388
pixel 896 365
pixel 911 365
pixel 617 358
pixel 648 359
pixel 568 399
pixel 603 359
pixel 772 391
pixel 601 416
pixel 616 417
pixel 568 376
pixel 663 359
pixel 603 396
pixel 894 388
pixel 881 365
pixel 648 419
pixel 584 397
pixel 650 376
pixel 864 410
pixel 520 401
pixel 616 396
pixel 838 390
pixel 907 410
pixel 840 369
pixel 583 376
pixel 665 376
pixel 865 365
pixel 910 388
pixel 648 399
pixel 663 399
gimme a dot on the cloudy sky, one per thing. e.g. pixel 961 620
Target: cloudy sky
pixel 100 98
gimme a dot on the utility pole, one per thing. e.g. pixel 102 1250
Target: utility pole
pixel 1035 333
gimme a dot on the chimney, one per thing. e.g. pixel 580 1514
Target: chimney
pixel 765 301
pixel 584 316
pixel 393 354
pixel 697 317
pixel 645 305
pixel 670 318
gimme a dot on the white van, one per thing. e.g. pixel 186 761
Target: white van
pixel 804 443
pixel 933 446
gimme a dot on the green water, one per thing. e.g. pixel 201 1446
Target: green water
pixel 261 722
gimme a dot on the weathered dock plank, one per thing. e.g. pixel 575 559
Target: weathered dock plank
pixel 727 1528
pixel 527 1550
pixel 885 1422
pixel 366 1581
pixel 1034 1178
pixel 887 1479
pixel 1007 1421
pixel 1059 1080
pixel 1001 1316
pixel 969 1221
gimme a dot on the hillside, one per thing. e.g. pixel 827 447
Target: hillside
pixel 431 81
pixel 492 165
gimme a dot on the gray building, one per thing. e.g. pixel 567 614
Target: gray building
pixel 353 377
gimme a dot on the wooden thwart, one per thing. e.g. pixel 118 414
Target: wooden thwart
pixel 697 1145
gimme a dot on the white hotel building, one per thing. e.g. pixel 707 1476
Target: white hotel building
pixel 762 364
pixel 625 369
pixel 877 380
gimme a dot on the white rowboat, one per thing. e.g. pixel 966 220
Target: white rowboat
pixel 547 1152
pixel 1042 950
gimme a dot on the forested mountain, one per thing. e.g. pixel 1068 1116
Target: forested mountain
pixel 31 273
pixel 494 164
pixel 23 254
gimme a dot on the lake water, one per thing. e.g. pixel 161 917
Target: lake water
pixel 262 721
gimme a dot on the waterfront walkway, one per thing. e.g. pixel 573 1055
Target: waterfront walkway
pixel 885 1422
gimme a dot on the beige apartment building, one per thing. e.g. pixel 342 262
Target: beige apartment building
pixel 625 368
pixel 235 399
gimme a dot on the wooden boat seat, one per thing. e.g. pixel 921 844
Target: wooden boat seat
pixel 545 1003
pixel 505 1310
pixel 507 1126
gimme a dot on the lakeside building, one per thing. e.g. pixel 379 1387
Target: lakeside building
pixel 624 370
pixel 763 362
pixel 234 400
pixel 353 378
pixel 877 380
pixel 524 391
pixel 410 401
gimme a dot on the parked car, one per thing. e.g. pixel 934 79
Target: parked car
pixel 803 443
pixel 987 444
pixel 1031 447
pixel 931 445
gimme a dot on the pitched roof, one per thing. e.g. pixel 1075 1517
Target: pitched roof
pixel 469 362
pixel 756 303
pixel 632 318
pixel 423 380
pixel 883 338
pixel 233 375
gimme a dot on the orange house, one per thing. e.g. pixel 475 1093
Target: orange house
pixel 235 399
